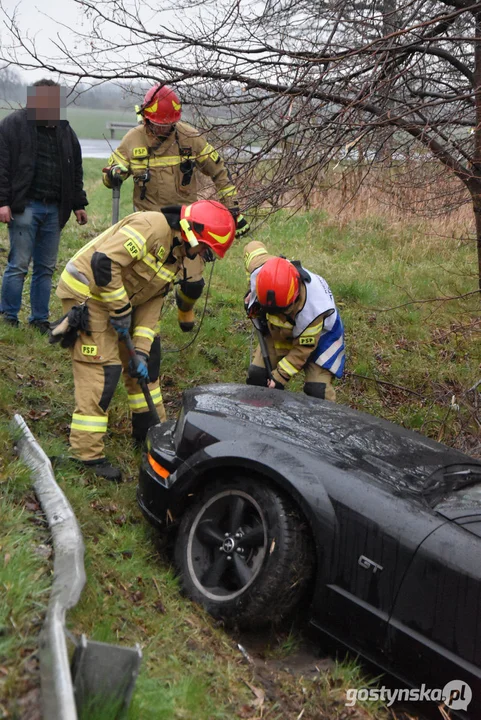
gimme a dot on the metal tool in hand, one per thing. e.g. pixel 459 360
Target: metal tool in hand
pixel 263 346
pixel 116 182
pixel 143 383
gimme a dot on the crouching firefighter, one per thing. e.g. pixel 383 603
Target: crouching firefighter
pixel 295 313
pixel 115 287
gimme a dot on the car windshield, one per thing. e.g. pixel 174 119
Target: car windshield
pixel 454 486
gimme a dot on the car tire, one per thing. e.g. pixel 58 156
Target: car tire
pixel 244 552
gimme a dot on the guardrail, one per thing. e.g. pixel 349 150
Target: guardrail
pixel 100 672
pixel 113 126
pixel 69 578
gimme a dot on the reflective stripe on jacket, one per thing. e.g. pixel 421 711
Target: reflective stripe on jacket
pixel 312 331
pixel 139 258
pixel 172 164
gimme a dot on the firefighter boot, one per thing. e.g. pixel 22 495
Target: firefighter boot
pixel 186 295
pixel 186 320
pixel 102 468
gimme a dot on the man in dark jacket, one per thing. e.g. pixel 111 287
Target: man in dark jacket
pixel 41 182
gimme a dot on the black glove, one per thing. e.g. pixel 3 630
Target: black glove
pixel 279 386
pixel 234 211
pixel 66 330
pixel 114 175
pixel 138 367
pixel 243 226
pixel 121 325
pixel 208 255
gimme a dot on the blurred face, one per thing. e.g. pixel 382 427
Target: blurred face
pixel 160 130
pixel 46 104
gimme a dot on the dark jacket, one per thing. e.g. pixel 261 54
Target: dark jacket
pixel 18 149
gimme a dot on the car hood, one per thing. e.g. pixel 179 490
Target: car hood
pixel 349 439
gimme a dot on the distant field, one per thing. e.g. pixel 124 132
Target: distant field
pixel 91 123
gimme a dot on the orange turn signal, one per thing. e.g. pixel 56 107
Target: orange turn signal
pixel 157 467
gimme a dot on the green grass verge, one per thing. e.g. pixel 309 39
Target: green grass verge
pixel 90 123
pixel 404 364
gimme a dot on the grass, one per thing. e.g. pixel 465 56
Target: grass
pixel 90 123
pixel 406 361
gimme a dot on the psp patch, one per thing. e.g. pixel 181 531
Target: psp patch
pixel 307 341
pixel 89 350
pixel 214 155
pixel 139 152
pixel 161 252
pixel 132 248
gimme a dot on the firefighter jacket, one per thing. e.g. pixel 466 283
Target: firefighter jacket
pixel 311 331
pixel 165 170
pixel 131 265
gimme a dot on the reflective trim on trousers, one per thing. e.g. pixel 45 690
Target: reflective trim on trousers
pixel 89 423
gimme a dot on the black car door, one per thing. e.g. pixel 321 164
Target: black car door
pixel 435 627
pixel 377 536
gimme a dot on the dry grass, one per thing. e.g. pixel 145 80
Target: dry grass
pixel 422 194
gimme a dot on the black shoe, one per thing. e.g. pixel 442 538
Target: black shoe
pixel 102 468
pixel 43 326
pixel 10 321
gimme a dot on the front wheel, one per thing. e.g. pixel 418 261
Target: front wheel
pixel 243 552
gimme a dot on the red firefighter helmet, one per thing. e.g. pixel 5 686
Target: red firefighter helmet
pixel 210 222
pixel 277 284
pixel 161 106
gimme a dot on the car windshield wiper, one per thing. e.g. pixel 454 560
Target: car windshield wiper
pixel 450 479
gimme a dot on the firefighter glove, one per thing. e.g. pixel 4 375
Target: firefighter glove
pixel 234 211
pixel 138 367
pixel 114 174
pixel 121 325
pixel 66 330
pixel 208 255
pixel 243 226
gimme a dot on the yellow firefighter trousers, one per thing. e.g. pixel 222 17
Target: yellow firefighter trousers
pixel 97 362
pixel 312 372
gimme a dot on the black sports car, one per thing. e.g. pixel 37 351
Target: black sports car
pixel 274 495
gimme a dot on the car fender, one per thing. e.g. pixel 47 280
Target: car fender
pixel 297 473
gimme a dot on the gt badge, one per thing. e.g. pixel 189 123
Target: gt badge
pixel 89 350
pixel 307 341
pixel 131 248
pixel 368 564
pixel 139 152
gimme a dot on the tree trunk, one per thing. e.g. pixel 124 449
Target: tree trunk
pixel 476 198
pixel 475 184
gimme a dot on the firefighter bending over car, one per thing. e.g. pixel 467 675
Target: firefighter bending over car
pixel 115 286
pixel 164 156
pixel 294 311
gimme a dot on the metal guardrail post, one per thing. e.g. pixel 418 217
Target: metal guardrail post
pixel 101 672
pixel 69 578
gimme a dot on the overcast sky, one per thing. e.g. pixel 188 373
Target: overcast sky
pixel 40 20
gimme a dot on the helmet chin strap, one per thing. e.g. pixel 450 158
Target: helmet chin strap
pixel 191 239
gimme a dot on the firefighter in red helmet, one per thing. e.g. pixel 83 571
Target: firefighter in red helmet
pixel 114 285
pixel 165 156
pixel 301 328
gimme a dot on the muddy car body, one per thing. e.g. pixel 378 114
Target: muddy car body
pixel 275 494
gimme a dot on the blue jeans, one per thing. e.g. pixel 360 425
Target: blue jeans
pixel 34 235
